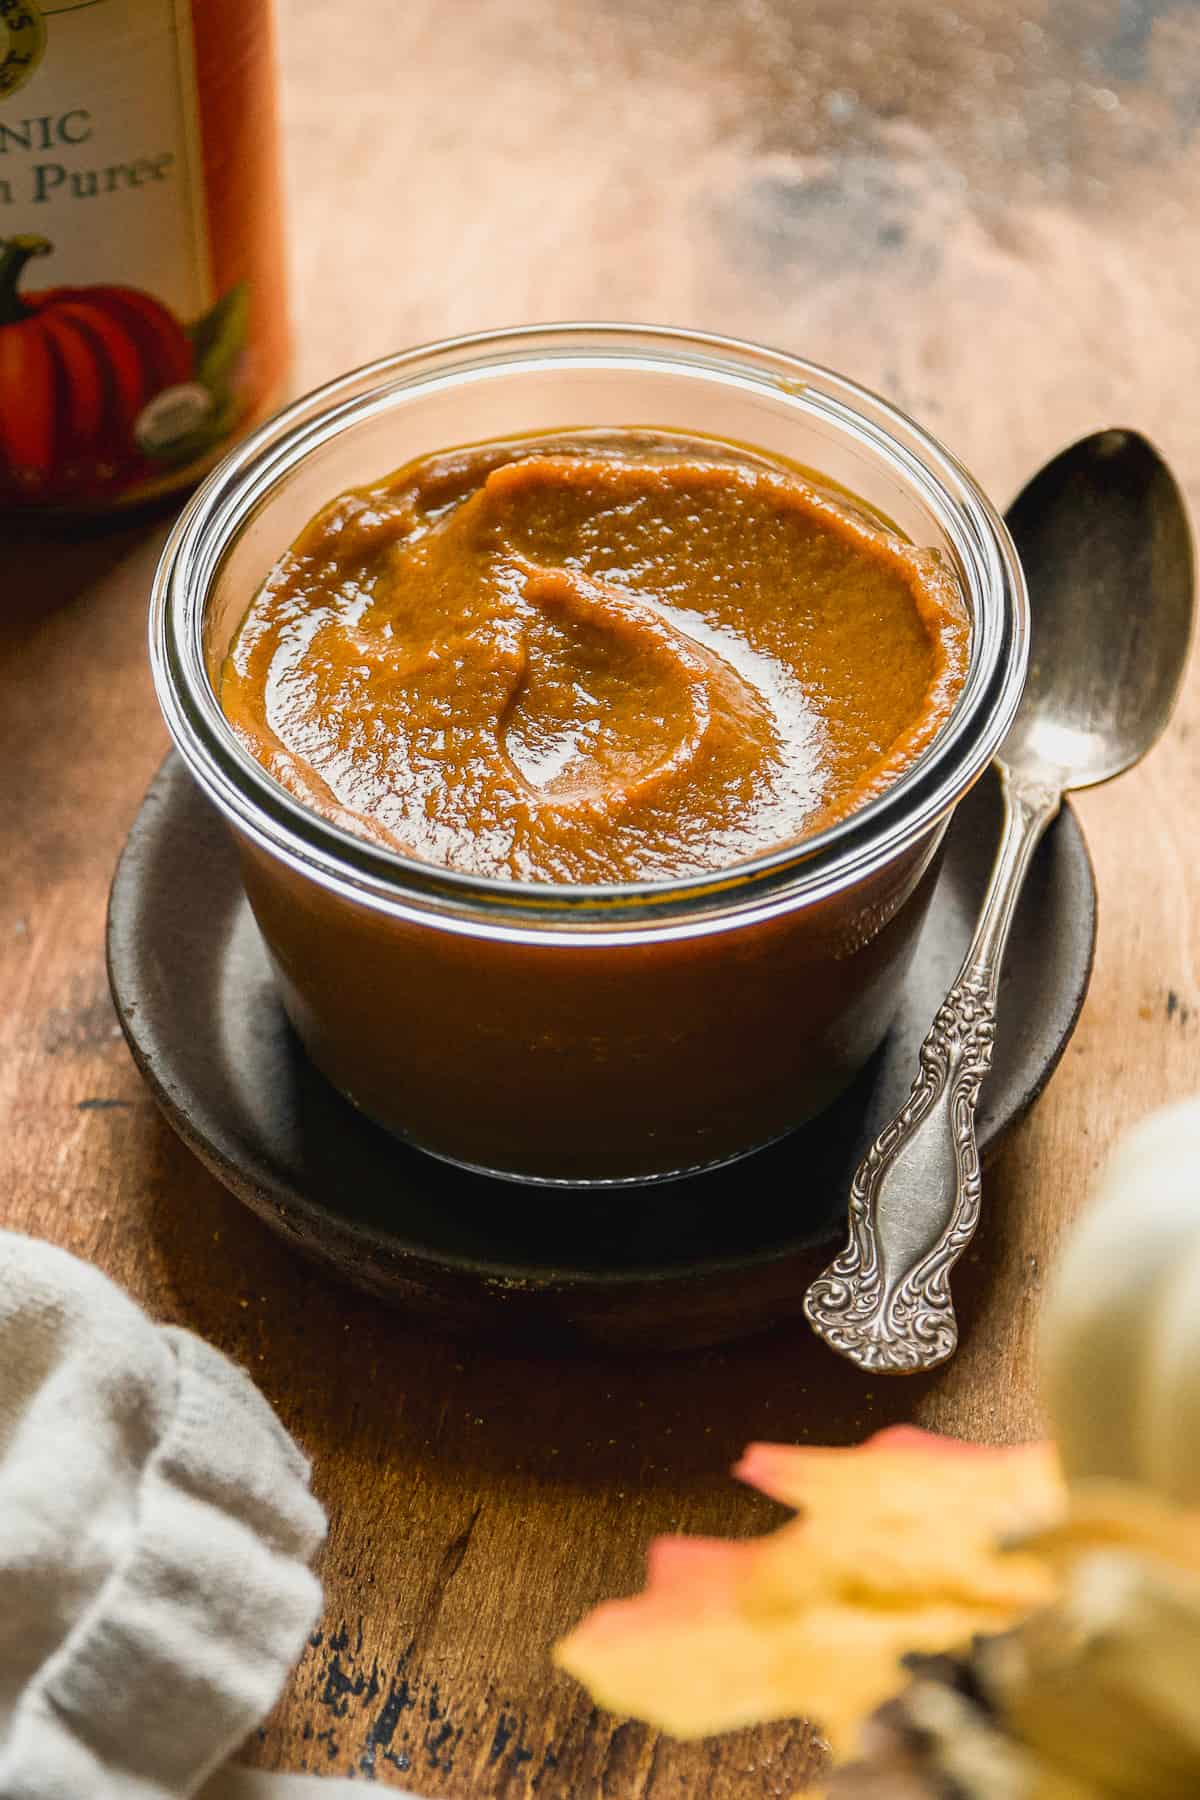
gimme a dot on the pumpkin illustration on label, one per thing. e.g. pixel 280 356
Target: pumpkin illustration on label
pixel 102 386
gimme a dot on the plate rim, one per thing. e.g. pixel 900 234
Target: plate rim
pixel 284 1199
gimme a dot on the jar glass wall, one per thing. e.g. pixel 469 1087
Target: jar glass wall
pixel 584 1035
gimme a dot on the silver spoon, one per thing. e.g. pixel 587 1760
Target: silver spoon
pixel 1103 536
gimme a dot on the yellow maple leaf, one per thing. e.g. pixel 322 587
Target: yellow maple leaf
pixel 1103 1514
pixel 899 1548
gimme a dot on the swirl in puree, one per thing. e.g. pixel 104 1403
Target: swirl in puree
pixel 602 658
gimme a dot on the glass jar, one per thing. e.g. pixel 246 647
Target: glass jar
pixel 584 1036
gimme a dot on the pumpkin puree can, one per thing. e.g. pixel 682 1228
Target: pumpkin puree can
pixel 142 305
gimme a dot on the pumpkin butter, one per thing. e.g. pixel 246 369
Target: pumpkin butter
pixel 604 657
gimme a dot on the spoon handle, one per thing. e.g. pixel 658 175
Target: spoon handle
pixel 914 1204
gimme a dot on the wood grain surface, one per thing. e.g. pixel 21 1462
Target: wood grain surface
pixel 990 212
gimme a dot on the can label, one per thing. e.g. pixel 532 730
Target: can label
pixel 141 260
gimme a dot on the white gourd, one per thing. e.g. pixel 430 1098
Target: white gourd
pixel 1121 1328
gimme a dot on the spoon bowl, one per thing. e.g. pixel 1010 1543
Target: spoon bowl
pixel 1102 532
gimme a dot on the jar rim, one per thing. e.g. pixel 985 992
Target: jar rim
pixel 780 879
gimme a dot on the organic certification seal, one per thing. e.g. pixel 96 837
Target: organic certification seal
pixel 22 42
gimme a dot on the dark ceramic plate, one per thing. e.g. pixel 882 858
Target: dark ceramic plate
pixel 690 1263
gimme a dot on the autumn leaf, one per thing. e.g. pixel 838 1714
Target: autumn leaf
pixel 1107 1515
pixel 899 1548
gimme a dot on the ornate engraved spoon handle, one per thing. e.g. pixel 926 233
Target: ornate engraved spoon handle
pixel 914 1204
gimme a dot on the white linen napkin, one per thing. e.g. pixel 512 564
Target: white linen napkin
pixel 156 1526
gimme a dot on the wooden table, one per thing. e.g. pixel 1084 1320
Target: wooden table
pixel 988 212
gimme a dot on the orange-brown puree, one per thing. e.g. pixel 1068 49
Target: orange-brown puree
pixel 605 658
